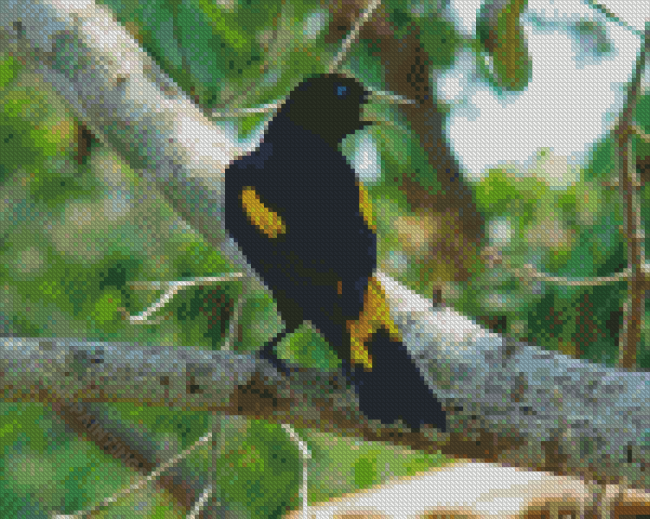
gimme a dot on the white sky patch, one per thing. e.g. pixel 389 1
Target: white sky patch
pixel 314 24
pixel 569 104
pixel 465 13
pixel 366 159
pixel 633 12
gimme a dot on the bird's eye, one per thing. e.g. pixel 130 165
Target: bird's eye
pixel 342 91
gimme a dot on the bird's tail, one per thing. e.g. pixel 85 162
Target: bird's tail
pixel 394 387
pixel 374 315
pixel 387 380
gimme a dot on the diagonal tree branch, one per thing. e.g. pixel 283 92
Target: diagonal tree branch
pixel 505 401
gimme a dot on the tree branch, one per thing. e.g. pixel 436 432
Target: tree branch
pixel 505 401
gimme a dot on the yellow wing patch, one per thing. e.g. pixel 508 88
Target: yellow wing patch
pixel 374 315
pixel 261 216
pixel 365 204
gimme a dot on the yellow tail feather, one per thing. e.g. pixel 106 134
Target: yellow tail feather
pixel 375 314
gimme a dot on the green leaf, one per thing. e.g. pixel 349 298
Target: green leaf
pixel 365 472
pixel 9 70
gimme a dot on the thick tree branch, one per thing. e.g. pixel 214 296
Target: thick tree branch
pixel 505 401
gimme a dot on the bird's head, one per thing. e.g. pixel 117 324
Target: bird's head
pixel 328 105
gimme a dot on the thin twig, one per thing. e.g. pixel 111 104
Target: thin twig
pixel 140 483
pixel 305 454
pixel 239 97
pixel 530 272
pixel 239 112
pixel 174 288
pixel 234 318
pixel 352 37
pixel 611 16
pixel 198 506
pixel 640 133
pixel 633 307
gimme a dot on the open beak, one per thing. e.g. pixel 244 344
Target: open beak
pixel 381 97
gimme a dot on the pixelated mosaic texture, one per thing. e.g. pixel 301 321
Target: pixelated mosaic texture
pixel 79 227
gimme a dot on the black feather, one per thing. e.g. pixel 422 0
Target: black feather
pixel 319 264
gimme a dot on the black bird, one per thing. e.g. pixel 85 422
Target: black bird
pixel 302 220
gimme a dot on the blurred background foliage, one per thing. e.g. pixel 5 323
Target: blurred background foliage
pixel 78 227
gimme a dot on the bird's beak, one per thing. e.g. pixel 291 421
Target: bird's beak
pixel 380 97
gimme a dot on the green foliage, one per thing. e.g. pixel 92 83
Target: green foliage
pixel 260 471
pixel 251 123
pixel 495 191
pixel 33 123
pixel 365 473
pixel 581 322
pixel 215 51
pixel 344 465
pixel 569 232
pixel 307 348
pixel 160 423
pixel 504 192
pixel 503 36
pixel 641 146
pixel 437 36
pixel 72 474
pixel 10 67
pixel 401 156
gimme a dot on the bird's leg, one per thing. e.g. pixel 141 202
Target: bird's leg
pixel 268 353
